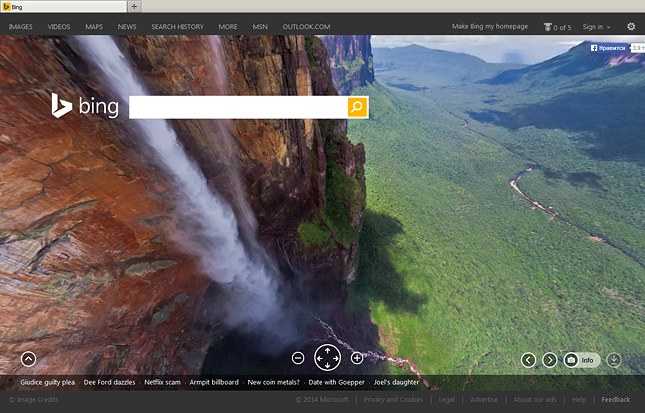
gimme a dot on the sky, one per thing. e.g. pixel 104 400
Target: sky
pixel 494 49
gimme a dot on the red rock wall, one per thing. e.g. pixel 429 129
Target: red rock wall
pixel 273 156
pixel 89 279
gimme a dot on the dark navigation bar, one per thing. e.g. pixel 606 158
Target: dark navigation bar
pixel 324 23
pixel 583 383
pixel 323 392
pixel 336 401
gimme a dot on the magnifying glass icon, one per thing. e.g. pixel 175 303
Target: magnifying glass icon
pixel 357 106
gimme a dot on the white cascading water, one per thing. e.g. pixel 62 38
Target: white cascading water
pixel 220 81
pixel 253 300
pixel 371 356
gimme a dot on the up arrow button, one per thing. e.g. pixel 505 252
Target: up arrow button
pixel 28 359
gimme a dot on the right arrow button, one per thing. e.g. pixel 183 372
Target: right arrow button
pixel 549 360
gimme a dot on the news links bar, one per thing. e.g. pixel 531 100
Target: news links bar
pixel 615 383
pixel 550 24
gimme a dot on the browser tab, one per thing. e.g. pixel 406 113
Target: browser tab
pixel 64 6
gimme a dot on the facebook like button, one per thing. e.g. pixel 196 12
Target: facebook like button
pixel 610 48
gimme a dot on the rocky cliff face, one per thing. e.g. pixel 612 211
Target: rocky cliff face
pixel 303 179
pixel 90 279
pixel 350 60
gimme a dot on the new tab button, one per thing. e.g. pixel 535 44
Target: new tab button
pixel 135 6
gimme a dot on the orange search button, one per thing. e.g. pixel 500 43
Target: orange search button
pixel 358 107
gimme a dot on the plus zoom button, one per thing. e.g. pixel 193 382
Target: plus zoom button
pixel 327 357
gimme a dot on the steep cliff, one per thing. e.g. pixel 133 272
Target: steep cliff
pixel 302 179
pixel 350 60
pixel 90 277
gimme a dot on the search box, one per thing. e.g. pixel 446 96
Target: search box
pixel 249 107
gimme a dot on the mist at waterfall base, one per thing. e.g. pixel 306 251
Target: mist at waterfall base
pixel 255 300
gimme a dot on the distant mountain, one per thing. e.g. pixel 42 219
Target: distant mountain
pixel 350 61
pixel 416 67
pixel 578 61
pixel 596 97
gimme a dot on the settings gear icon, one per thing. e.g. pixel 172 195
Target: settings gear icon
pixel 631 26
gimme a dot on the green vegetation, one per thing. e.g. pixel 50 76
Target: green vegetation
pixel 145 267
pixel 162 312
pixel 352 66
pixel 593 178
pixel 312 235
pixel 460 273
pixel 314 47
pixel 78 207
pixel 344 196
pixel 65 286
pixel 36 232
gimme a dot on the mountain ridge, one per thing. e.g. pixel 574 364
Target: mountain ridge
pixel 421 67
pixel 579 60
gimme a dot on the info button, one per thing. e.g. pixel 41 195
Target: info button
pixel 583 360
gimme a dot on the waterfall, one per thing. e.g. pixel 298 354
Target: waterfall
pixel 249 277
pixel 220 81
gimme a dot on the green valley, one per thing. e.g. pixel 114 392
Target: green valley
pixel 461 274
